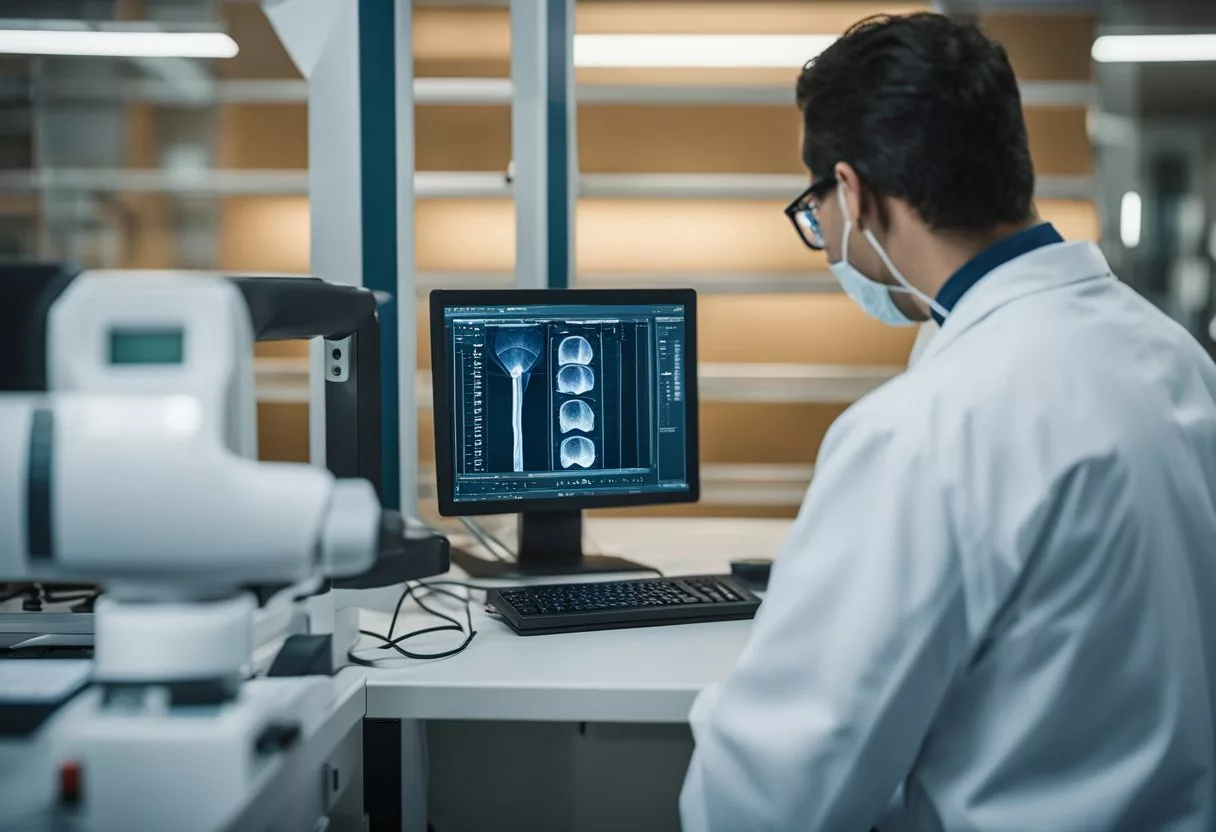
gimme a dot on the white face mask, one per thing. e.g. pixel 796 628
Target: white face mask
pixel 873 297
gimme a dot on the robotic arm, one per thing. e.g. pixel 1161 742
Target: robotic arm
pixel 112 488
pixel 128 450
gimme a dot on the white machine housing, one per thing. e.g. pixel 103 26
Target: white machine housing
pixel 138 471
pixel 140 490
pixel 207 313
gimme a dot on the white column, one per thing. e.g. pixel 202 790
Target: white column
pixel 528 131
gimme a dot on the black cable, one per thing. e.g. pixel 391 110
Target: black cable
pixel 438 628
pixel 409 593
pixel 361 662
pixel 392 625
pixel 394 643
pixel 424 656
pixel 650 570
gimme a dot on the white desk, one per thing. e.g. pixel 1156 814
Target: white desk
pixel 647 675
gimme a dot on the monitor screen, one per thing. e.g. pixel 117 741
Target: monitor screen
pixel 568 401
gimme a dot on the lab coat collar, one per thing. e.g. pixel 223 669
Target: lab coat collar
pixel 1045 268
pixel 990 259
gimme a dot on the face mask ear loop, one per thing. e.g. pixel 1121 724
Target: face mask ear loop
pixel 904 286
pixel 848 224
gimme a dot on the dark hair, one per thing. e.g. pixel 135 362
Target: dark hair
pixel 926 109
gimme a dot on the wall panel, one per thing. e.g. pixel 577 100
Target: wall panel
pixel 714 18
pixel 283 432
pixel 262 137
pixel 265 234
pixel 1045 47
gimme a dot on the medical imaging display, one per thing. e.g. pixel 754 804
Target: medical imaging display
pixel 562 401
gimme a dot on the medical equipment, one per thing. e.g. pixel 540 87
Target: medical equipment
pixel 128 458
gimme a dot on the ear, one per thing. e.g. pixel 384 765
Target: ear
pixel 850 182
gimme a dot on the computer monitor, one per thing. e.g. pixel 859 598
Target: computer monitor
pixel 553 401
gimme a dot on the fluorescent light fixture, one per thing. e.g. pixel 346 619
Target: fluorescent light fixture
pixel 1110 49
pixel 698 51
pixel 117 44
pixel 1130 212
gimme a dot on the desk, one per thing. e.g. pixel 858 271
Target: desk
pixel 648 675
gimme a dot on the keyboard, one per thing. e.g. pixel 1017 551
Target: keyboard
pixel 610 605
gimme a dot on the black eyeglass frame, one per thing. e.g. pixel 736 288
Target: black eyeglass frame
pixel 807 204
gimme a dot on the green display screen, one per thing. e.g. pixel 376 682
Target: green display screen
pixel 146 346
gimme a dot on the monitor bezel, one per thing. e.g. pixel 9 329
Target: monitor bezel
pixel 441 299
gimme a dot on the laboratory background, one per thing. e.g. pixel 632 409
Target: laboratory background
pixel 549 144
pixel 680 176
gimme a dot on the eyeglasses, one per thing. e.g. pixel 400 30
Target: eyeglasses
pixel 804 212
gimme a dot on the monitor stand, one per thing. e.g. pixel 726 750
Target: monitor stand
pixel 550 543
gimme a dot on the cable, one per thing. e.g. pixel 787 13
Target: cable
pixel 409 590
pixel 353 659
pixel 481 538
pixel 485 540
pixel 452 582
pixel 649 570
pixel 394 642
pixel 494 537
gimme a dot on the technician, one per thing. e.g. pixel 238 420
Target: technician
pixel 997 608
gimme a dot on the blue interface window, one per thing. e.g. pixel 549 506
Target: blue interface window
pixel 567 401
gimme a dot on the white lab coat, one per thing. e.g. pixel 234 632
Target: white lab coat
pixel 997 608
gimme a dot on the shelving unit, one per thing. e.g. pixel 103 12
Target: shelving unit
pixel 285 381
pixel 451 184
pixel 527 186
pixel 472 91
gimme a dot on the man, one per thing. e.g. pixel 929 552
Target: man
pixel 997 608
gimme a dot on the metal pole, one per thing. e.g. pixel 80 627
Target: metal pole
pixel 407 348
pixel 562 180
pixel 528 138
pixel 380 186
pixel 328 57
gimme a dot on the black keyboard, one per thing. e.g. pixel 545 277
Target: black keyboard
pixel 648 602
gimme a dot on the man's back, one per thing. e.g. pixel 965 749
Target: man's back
pixel 1023 644
pixel 1088 562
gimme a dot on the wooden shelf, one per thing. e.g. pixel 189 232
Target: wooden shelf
pixel 285 381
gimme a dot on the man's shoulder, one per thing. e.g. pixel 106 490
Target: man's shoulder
pixel 890 418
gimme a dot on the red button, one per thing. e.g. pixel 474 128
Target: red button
pixel 69 783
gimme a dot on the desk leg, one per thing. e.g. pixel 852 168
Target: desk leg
pixel 394 775
pixel 413 776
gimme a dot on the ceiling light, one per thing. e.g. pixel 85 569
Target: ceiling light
pixel 1154 48
pixel 699 51
pixel 117 44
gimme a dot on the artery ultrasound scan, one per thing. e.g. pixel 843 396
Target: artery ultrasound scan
pixel 553 401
